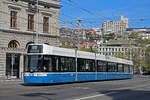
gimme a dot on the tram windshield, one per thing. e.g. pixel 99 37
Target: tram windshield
pixel 48 63
pixel 39 63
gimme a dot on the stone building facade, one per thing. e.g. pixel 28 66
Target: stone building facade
pixel 144 33
pixel 18 28
pixel 121 48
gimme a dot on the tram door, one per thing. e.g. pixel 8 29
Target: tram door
pixel 12 65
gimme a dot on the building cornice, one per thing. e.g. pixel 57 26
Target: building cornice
pixel 14 7
pixel 14 50
pixel 27 32
pixel 45 3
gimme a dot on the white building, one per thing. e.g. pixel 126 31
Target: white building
pixel 123 48
pixel 115 26
pixel 65 31
pixel 144 33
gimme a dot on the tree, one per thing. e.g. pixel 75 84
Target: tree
pixel 109 36
pixel 67 46
pixel 89 36
pixel 118 35
pixel 81 49
pixel 147 41
pixel 119 55
pixel 147 58
pixel 133 35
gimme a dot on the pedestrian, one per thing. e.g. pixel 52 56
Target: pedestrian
pixel 8 75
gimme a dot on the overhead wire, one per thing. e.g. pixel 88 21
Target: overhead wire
pixel 85 22
pixel 90 24
pixel 74 4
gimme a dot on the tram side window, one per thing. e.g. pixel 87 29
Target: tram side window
pixel 63 64
pixel 101 66
pixel 85 65
pixel 126 68
pixel 67 64
pixel 120 68
pixel 115 67
pixel 55 64
pixel 131 69
pixel 112 67
pixel 47 64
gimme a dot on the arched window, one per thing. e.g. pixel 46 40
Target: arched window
pixel 46 43
pixel 13 44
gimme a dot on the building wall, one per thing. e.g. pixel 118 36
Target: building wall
pixel 115 26
pixel 23 40
pixel 144 33
pixel 21 33
pixel 51 1
pixel 115 50
pixel 2 63
pixel 22 16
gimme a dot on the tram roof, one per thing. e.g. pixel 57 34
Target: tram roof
pixel 51 50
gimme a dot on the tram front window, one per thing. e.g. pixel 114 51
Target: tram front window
pixel 34 63
pixel 39 63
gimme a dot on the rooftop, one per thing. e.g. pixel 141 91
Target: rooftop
pixel 120 42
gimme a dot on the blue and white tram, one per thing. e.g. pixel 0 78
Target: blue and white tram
pixel 48 64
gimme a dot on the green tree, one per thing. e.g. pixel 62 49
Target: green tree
pixel 67 46
pixel 110 36
pixel 139 57
pixel 133 35
pixel 147 58
pixel 81 49
pixel 89 36
pixel 119 55
pixel 146 41
pixel 89 50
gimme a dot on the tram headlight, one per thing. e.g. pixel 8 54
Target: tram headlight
pixel 31 70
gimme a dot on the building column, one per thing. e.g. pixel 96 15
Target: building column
pixel 21 66
pixel 2 64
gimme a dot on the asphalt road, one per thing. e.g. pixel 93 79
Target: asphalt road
pixel 137 88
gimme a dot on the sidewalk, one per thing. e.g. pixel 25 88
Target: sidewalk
pixel 141 76
pixel 11 81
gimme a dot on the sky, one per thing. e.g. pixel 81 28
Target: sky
pixel 94 12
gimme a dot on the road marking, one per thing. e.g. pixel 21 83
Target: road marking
pixel 81 88
pixel 99 95
pixel 90 97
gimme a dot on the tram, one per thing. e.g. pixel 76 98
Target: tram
pixel 49 64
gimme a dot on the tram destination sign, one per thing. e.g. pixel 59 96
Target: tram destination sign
pixel 35 49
